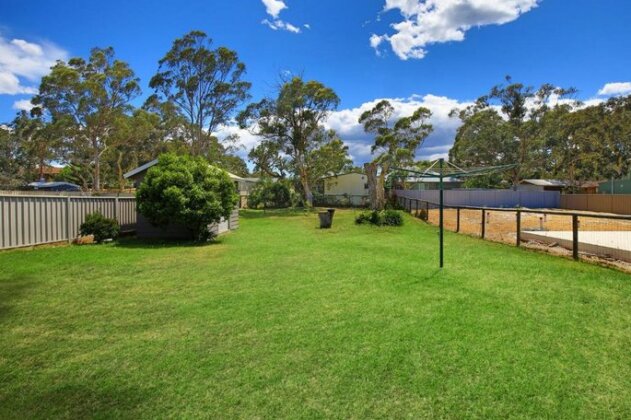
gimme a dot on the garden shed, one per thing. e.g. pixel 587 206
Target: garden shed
pixel 145 230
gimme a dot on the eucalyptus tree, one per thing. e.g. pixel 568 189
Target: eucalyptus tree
pixel 506 122
pixel 84 99
pixel 204 85
pixel 292 122
pixel 38 141
pixel 395 144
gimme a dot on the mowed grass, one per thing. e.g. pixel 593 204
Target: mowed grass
pixel 281 319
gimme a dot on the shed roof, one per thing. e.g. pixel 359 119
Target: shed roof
pixel 154 162
pixel 545 182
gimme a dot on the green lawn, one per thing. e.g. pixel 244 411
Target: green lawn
pixel 281 319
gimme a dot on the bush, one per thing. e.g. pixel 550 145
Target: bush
pixel 270 195
pixel 100 226
pixel 392 218
pixel 187 191
pixel 380 218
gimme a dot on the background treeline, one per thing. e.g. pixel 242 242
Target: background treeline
pixel 84 117
pixel 546 133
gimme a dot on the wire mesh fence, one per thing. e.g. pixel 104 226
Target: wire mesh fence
pixel 576 234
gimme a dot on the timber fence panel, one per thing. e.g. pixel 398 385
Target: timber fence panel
pixel 27 220
pixel 603 203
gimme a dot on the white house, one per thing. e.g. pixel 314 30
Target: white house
pixel 352 186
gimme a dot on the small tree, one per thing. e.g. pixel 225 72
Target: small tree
pixel 394 144
pixel 270 194
pixel 188 191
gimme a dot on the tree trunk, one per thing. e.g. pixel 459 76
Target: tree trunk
pixel 307 190
pixel 119 166
pixel 375 186
pixel 97 172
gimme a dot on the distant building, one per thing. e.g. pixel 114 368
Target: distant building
pixel 48 173
pixel 145 230
pixel 542 185
pixel 351 187
pixel 54 186
pixel 243 185
pixel 615 186
pixel 352 183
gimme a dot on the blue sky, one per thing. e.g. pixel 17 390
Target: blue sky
pixel 438 53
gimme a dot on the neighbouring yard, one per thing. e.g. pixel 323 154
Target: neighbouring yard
pixel 281 319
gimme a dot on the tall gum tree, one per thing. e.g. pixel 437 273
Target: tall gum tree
pixel 84 99
pixel 204 84
pixel 293 122
pixel 395 143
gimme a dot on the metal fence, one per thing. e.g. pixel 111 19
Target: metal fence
pixel 345 200
pixel 605 203
pixel 489 198
pixel 27 220
pixel 585 235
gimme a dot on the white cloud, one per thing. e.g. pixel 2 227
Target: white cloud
pixel 23 63
pixel 615 89
pixel 273 9
pixel 345 122
pixel 281 25
pixel 23 105
pixel 427 22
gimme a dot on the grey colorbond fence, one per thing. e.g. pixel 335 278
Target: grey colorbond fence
pixel 27 220
pixel 489 198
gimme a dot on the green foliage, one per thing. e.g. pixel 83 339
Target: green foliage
pixel 204 85
pixel 84 99
pixel 292 123
pixel 270 195
pixel 282 320
pixel 380 218
pixel 100 226
pixel 187 191
pixel 395 144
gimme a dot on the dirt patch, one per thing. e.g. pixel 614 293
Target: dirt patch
pixel 502 227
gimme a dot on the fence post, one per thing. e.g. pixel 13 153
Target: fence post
pixel 68 228
pixel 416 213
pixel 575 236
pixel 518 228
pixel 483 224
pixel 117 211
pixel 458 220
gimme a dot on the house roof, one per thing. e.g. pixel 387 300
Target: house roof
pixel 434 180
pixel 67 186
pixel 154 162
pixel 545 182
pixel 51 170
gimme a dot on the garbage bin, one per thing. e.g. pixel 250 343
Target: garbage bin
pixel 331 213
pixel 326 219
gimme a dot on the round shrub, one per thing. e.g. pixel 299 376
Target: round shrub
pixel 187 191
pixel 380 218
pixel 100 227
pixel 270 195
pixel 392 218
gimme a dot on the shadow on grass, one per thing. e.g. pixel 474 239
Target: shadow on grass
pixel 83 400
pixel 135 243
pixel 11 291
